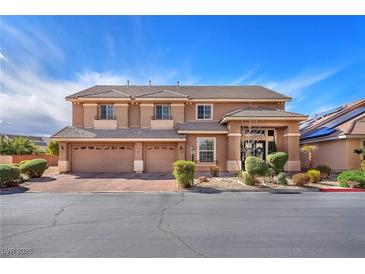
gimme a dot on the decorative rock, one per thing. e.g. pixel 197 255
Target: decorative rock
pixel 203 179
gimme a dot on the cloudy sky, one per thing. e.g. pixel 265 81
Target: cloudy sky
pixel 320 61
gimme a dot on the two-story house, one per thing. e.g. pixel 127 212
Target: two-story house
pixel 131 128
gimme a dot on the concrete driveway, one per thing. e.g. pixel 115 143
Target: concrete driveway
pixel 103 182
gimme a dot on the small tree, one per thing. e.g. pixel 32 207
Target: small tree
pixel 360 151
pixel 53 148
pixel 309 149
pixel 18 146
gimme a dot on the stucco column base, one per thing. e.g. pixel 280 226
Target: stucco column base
pixel 138 166
pixel 64 166
pixel 233 166
pixel 292 166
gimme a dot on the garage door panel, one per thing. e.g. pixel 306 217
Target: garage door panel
pixel 107 158
pixel 160 157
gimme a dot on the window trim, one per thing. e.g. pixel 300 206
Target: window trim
pixel 113 114
pixel 214 139
pixel 162 105
pixel 211 111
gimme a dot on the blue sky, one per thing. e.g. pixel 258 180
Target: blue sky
pixel 319 61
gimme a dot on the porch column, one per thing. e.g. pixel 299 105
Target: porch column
pixel 138 157
pixel 292 141
pixel 181 150
pixel 64 164
pixel 234 146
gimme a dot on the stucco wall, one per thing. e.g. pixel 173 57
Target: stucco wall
pixel 221 150
pixel 338 154
pixel 134 119
pixel 77 115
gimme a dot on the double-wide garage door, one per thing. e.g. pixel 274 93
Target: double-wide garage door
pixel 159 158
pixel 103 158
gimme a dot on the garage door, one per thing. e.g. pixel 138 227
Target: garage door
pixel 159 158
pixel 113 158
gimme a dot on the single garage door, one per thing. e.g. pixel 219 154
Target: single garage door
pixel 159 158
pixel 112 158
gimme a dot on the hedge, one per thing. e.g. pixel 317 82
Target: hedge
pixel 34 168
pixel 255 166
pixel 277 160
pixel 184 172
pixel 8 173
pixel 352 176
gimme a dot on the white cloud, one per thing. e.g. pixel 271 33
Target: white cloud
pixel 3 58
pixel 295 85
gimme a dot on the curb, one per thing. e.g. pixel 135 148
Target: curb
pixel 342 189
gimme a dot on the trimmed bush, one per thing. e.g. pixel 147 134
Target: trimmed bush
pixel 277 161
pixel 34 168
pixel 247 178
pixel 324 169
pixel 314 175
pixel 270 172
pixel 362 165
pixel 184 172
pixel 281 179
pixel 23 162
pixel 352 176
pixel 300 179
pixel 8 173
pixel 255 166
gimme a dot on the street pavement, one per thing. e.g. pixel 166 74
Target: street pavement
pixel 183 225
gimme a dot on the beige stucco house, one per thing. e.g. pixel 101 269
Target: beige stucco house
pixel 146 128
pixel 336 134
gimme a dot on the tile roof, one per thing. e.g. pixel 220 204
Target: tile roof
pixel 74 132
pixel 107 94
pixel 193 92
pixel 201 126
pixel 162 94
pixel 262 112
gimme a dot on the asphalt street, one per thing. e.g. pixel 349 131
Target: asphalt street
pixel 183 225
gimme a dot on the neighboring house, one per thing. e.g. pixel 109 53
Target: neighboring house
pixel 336 133
pixel 146 128
pixel 40 141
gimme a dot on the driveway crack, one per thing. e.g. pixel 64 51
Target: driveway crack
pixel 177 237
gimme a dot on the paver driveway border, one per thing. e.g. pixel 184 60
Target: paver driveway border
pixel 104 182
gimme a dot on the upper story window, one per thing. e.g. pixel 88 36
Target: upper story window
pixel 204 112
pixel 106 112
pixel 162 112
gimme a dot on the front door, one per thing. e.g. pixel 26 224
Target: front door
pixel 253 148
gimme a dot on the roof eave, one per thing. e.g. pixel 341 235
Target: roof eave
pixel 263 118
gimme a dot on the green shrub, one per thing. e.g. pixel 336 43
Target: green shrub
pixel 300 179
pixel 277 161
pixel 324 169
pixel 247 178
pixel 8 173
pixel 23 162
pixel 34 168
pixel 53 148
pixel 255 166
pixel 314 175
pixel 362 166
pixel 352 176
pixel 270 172
pixel 214 171
pixel 184 172
pixel 18 146
pixel 281 178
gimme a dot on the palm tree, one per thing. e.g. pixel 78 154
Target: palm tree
pixel 309 149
